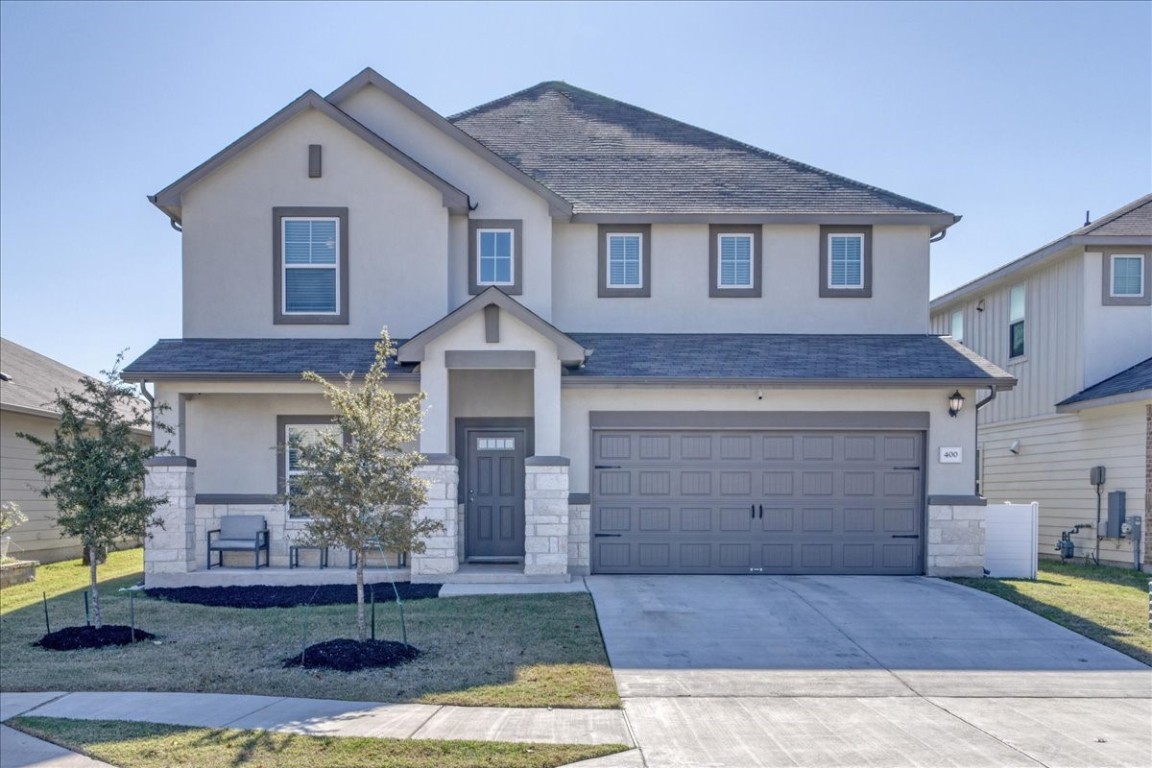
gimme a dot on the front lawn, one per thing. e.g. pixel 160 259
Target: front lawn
pixel 515 651
pixel 1108 605
pixel 150 745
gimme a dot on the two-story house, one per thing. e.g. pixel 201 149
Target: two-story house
pixel 1073 322
pixel 646 348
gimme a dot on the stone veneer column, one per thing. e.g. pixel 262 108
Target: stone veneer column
pixel 440 557
pixel 579 534
pixel 172 548
pixel 956 531
pixel 546 516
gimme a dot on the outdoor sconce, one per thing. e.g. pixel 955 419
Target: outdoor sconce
pixel 955 403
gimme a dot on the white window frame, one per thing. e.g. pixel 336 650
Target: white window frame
pixel 751 240
pixel 957 320
pixel 289 473
pixel 1139 257
pixel 285 266
pixel 1022 319
pixel 639 260
pixel 511 256
pixel 832 286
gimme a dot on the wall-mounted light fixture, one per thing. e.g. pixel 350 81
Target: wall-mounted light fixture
pixel 955 404
pixel 980 305
pixel 1015 447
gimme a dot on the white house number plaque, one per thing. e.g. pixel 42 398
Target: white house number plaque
pixel 951 455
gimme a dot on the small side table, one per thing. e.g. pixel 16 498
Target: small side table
pixel 294 555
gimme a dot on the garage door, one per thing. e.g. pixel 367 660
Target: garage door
pixel 757 502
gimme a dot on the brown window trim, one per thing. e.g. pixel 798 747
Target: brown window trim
pixel 714 290
pixel 602 289
pixel 278 315
pixel 1106 296
pixel 474 227
pixel 827 292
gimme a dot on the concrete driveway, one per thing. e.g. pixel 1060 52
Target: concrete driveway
pixel 862 671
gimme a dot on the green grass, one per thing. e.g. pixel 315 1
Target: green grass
pixel 514 651
pixel 149 745
pixel 122 569
pixel 1108 605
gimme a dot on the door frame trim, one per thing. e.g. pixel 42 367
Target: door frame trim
pixel 510 423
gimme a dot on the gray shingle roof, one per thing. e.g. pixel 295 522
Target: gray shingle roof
pixel 782 357
pixel 1136 379
pixel 716 356
pixel 287 358
pixel 1133 219
pixel 33 378
pixel 606 156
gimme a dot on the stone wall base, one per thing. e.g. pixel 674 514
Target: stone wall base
pixel 955 541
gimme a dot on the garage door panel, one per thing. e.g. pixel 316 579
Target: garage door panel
pixel 719 502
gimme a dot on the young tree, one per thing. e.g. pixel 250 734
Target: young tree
pixel 358 484
pixel 95 465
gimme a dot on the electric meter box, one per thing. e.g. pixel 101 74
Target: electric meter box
pixel 1116 510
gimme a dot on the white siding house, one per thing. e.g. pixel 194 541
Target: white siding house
pixel 1083 360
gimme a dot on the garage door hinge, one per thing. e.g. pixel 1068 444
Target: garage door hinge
pixel 608 466
pixel 915 468
pixel 905 535
pixel 609 535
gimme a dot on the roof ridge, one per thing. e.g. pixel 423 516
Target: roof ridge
pixel 560 85
pixel 1108 218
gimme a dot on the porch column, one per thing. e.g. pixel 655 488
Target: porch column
pixel 546 397
pixel 171 548
pixel 546 516
pixel 434 439
pixel 439 558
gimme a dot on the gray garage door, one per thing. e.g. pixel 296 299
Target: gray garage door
pixel 757 502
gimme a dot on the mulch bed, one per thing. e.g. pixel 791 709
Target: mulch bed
pixel 74 638
pixel 350 655
pixel 288 597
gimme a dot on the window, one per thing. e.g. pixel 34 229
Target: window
pixel 733 261
pixel 1126 280
pixel 958 326
pixel 310 256
pixel 293 433
pixel 495 255
pixel 845 262
pixel 625 258
pixel 1016 321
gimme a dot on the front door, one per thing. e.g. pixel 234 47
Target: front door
pixel 494 495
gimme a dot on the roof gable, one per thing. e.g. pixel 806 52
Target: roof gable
pixel 611 157
pixel 1129 225
pixel 569 351
pixel 557 205
pixel 169 198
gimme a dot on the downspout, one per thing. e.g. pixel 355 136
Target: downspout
pixel 151 407
pixel 976 426
pixel 943 234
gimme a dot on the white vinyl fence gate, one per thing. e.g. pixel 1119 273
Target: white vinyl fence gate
pixel 1010 543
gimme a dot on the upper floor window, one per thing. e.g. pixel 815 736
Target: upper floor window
pixel 310 254
pixel 1126 279
pixel 495 255
pixel 845 262
pixel 958 326
pixel 733 261
pixel 624 261
pixel 1016 321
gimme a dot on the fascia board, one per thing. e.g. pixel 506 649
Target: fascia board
pixel 138 376
pixel 1141 396
pixel 937 221
pixel 558 207
pixel 651 382
pixel 169 198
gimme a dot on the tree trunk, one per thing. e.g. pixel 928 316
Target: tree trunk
pixel 361 624
pixel 93 557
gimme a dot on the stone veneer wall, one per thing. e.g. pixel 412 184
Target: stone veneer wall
pixel 955 540
pixel 171 548
pixel 546 524
pixel 441 554
pixel 579 539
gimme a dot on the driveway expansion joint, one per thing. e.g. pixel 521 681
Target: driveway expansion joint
pixel 436 709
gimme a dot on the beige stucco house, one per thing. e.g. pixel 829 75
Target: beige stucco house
pixel 646 348
pixel 1072 321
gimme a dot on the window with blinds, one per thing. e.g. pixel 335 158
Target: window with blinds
pixel 1127 275
pixel 845 261
pixel 494 249
pixel 310 265
pixel 624 264
pixel 734 267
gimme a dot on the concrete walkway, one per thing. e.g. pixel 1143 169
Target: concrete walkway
pixel 862 671
pixel 313 717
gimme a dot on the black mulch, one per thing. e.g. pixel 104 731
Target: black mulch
pixel 288 597
pixel 74 638
pixel 350 655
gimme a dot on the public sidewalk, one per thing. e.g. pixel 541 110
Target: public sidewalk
pixel 313 717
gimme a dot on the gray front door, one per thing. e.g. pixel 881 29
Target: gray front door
pixel 494 495
pixel 757 502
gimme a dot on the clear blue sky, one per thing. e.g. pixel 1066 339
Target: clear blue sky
pixel 1019 116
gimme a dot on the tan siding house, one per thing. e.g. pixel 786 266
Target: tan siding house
pixel 1084 392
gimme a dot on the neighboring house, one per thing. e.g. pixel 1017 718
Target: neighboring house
pixel 1073 322
pixel 646 348
pixel 29 382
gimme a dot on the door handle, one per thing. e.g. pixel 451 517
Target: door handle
pixel 752 511
pixel 905 535
pixel 607 535
pixel 761 511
